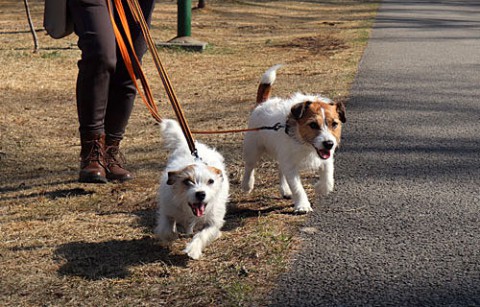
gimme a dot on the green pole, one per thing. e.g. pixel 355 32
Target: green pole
pixel 184 22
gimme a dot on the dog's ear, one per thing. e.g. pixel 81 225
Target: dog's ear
pixel 299 109
pixel 341 111
pixel 216 171
pixel 172 177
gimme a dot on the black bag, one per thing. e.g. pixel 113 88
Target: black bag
pixel 56 18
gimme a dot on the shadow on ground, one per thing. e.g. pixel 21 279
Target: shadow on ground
pixel 111 259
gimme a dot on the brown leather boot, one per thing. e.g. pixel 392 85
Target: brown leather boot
pixel 115 161
pixel 92 163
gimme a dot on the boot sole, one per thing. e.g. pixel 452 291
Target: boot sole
pixel 94 179
pixel 119 179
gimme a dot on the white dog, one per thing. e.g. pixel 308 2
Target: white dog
pixel 312 133
pixel 193 193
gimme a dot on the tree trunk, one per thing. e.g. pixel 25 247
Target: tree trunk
pixel 201 4
pixel 32 28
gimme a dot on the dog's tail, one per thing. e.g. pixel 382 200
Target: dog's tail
pixel 265 87
pixel 172 135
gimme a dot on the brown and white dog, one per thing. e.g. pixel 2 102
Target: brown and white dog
pixel 313 126
pixel 193 193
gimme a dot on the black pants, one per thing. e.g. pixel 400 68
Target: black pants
pixel 105 92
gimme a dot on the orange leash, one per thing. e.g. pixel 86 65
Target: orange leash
pixel 140 19
pixel 146 94
pixel 275 127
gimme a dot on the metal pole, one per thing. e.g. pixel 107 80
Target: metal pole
pixel 184 22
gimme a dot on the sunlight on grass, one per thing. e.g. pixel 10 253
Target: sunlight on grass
pixel 66 243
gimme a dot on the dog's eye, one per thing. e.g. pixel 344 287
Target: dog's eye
pixel 211 181
pixel 334 124
pixel 188 182
pixel 314 126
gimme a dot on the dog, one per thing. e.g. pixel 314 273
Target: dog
pixel 193 192
pixel 313 126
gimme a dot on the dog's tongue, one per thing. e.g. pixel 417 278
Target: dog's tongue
pixel 323 153
pixel 198 209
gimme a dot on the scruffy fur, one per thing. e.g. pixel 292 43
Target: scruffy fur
pixel 311 136
pixel 193 193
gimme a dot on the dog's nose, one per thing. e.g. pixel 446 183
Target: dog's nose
pixel 328 144
pixel 200 195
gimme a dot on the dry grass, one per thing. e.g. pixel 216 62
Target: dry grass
pixel 65 243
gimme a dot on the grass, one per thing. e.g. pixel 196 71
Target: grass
pixel 51 55
pixel 67 244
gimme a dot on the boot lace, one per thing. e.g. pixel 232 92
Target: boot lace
pixel 96 153
pixel 115 156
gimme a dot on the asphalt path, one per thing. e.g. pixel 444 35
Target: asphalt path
pixel 402 227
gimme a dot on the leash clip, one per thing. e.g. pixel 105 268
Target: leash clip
pixel 195 155
pixel 275 127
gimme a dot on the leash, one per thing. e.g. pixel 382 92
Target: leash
pixel 167 84
pixel 135 65
pixel 275 127
pixel 146 95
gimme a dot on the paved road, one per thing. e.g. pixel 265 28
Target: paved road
pixel 403 226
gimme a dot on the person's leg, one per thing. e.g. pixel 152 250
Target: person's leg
pixel 121 98
pixel 98 60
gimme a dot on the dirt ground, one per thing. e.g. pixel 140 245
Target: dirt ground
pixel 67 244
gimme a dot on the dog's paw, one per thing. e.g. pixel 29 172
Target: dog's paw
pixel 166 240
pixel 247 187
pixel 193 251
pixel 303 208
pixel 248 182
pixel 324 189
pixel 165 244
pixel 285 191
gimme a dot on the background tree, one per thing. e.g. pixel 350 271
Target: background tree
pixel 32 28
